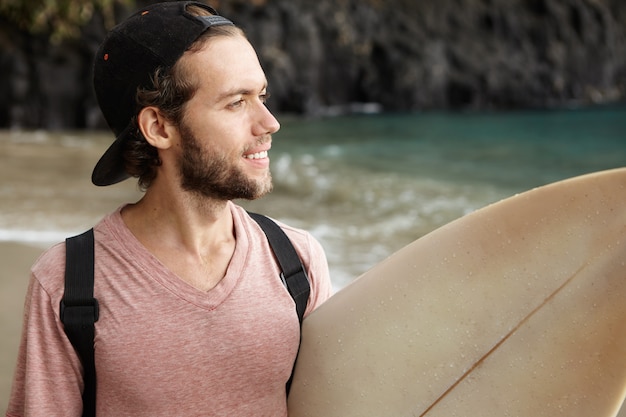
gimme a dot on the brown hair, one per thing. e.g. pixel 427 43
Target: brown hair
pixel 170 91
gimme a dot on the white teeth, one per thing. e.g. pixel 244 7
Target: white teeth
pixel 258 155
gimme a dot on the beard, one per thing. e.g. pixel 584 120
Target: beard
pixel 213 175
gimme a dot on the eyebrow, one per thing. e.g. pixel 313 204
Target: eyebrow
pixel 238 92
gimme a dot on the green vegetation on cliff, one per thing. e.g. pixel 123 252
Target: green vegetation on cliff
pixel 59 19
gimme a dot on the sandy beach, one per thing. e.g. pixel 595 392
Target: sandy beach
pixel 16 261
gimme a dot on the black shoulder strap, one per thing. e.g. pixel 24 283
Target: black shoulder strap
pixel 293 275
pixel 79 310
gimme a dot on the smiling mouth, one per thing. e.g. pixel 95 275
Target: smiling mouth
pixel 257 155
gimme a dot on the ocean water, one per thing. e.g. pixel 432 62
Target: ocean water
pixel 364 185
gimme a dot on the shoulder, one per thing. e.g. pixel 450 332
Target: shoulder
pixel 314 261
pixel 305 244
pixel 301 239
pixel 49 269
pixel 311 254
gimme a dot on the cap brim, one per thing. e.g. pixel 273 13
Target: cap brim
pixel 110 168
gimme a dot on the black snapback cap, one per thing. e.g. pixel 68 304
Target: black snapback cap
pixel 154 37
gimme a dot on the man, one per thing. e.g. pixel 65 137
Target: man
pixel 194 319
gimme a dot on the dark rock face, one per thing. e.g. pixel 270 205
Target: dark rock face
pixel 45 85
pixel 398 55
pixel 442 54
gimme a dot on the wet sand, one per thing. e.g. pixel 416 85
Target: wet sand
pixel 16 261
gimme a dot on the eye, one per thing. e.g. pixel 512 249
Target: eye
pixel 236 104
pixel 264 97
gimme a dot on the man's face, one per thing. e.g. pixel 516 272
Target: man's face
pixel 226 130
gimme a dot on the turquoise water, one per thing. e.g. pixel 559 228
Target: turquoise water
pixel 364 185
pixel 368 185
pixel 518 149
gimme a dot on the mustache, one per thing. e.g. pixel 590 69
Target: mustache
pixel 261 140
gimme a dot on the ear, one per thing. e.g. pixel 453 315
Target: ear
pixel 155 127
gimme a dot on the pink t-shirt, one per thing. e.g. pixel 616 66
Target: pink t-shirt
pixel 163 347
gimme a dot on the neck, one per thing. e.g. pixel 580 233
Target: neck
pixel 179 220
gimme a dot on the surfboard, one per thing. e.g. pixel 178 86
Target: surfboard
pixel 517 309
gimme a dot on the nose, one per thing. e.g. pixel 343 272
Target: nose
pixel 267 123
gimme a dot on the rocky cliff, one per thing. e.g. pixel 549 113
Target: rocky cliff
pixel 328 57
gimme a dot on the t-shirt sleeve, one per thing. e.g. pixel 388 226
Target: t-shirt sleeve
pixel 47 380
pixel 319 276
